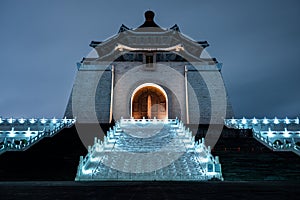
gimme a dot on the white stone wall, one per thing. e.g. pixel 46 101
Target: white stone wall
pixel 128 76
pixel 92 88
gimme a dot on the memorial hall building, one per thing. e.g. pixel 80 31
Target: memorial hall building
pixel 149 72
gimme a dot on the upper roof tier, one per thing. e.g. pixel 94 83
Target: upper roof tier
pixel 151 37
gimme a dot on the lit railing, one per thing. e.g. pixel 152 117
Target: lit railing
pixel 144 120
pixel 276 134
pixel 20 134
pixel 250 123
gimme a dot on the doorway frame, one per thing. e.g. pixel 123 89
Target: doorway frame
pixel 150 85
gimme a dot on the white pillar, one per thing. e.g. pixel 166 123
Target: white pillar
pixel 111 94
pixel 186 95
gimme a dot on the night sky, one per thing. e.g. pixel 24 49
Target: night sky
pixel 257 41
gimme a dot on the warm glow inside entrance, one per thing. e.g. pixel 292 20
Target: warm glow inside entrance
pixel 149 101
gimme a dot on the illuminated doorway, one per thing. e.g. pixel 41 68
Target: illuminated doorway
pixel 149 100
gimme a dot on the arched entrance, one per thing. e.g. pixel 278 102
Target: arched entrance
pixel 149 100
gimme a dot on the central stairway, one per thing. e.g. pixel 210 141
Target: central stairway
pixel 149 149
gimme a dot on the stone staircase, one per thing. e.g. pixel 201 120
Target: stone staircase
pixel 149 149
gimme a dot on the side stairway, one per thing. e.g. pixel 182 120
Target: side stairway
pixel 149 150
pixel 276 134
pixel 21 134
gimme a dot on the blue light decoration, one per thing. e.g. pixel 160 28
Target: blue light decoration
pixel 111 159
pixel 233 121
pixel 254 121
pixel 287 121
pixel 21 120
pixel 43 120
pixel 276 121
pixel 265 121
pixel 286 133
pixel 244 121
pixel 65 120
pixel 270 133
pixel 12 132
pixel 32 120
pixel 54 120
pixel 28 134
pixel 276 134
pixel 11 120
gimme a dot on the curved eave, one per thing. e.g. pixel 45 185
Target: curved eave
pixel 204 44
pixel 95 43
pixel 133 37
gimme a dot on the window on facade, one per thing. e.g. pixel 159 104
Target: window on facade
pixel 139 57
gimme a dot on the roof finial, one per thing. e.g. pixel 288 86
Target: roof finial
pixel 149 20
pixel 149 15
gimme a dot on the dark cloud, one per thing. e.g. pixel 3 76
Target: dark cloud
pixel 258 43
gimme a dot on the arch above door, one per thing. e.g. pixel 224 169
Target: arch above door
pixel 149 100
